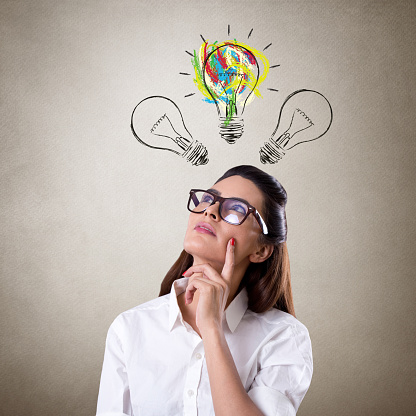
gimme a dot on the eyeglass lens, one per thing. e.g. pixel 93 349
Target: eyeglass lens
pixel 232 210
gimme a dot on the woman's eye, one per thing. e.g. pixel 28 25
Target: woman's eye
pixel 207 198
pixel 241 209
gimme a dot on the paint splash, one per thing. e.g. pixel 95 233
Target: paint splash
pixel 228 74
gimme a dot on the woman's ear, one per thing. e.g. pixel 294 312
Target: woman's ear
pixel 262 254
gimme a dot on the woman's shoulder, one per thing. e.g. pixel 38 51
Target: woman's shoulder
pixel 278 325
pixel 282 325
pixel 277 318
pixel 148 313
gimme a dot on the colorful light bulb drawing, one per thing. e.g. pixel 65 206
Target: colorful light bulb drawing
pixel 157 122
pixel 228 74
pixel 305 115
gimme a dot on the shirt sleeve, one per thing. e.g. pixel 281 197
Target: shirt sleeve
pixel 284 373
pixel 114 393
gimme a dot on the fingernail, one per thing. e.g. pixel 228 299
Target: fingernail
pixel 233 241
pixel 184 273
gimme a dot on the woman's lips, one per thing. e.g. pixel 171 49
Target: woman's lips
pixel 204 228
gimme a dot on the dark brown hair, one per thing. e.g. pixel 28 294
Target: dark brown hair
pixel 268 283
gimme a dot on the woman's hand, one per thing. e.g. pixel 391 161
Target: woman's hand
pixel 213 288
pixel 228 393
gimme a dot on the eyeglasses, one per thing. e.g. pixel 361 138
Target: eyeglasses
pixel 232 210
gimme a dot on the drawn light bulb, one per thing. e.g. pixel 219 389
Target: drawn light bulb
pixel 305 116
pixel 157 122
pixel 230 74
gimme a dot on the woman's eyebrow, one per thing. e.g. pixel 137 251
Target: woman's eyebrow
pixel 214 191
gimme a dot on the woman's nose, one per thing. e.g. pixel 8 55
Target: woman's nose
pixel 213 211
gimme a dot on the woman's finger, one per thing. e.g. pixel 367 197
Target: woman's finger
pixel 198 283
pixel 228 269
pixel 191 288
pixel 206 271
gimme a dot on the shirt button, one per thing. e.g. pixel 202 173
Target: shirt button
pixel 198 356
pixel 190 393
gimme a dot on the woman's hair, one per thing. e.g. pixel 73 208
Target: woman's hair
pixel 268 283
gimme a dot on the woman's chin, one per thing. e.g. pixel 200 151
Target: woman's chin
pixel 203 252
pixel 196 248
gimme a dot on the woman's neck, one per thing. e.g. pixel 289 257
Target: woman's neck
pixel 218 266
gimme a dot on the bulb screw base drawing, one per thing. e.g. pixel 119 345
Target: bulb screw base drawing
pixel 271 152
pixel 231 129
pixel 196 154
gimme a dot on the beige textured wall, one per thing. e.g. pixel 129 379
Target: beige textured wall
pixel 86 233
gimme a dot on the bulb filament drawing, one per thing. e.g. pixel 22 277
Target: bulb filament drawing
pixel 305 115
pixel 157 123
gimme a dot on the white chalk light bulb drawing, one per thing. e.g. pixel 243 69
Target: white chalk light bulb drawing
pixel 230 74
pixel 157 122
pixel 305 115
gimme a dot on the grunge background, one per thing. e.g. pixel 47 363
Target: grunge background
pixel 91 220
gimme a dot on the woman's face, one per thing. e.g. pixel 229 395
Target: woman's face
pixel 210 246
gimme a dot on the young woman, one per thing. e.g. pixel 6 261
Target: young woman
pixel 222 338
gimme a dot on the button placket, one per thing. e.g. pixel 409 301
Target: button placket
pixel 193 377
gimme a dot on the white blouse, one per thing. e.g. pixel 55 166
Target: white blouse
pixel 154 361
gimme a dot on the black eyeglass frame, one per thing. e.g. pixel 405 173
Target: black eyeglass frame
pixel 221 199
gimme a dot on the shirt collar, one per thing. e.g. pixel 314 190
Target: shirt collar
pixel 177 288
pixel 236 309
pixel 233 314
